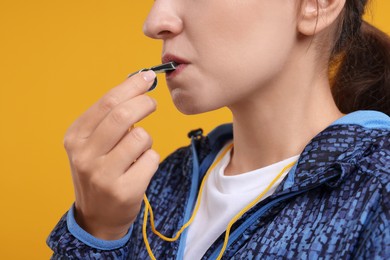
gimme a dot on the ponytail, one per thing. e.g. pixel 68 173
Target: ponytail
pixel 360 62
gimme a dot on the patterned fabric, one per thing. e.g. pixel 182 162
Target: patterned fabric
pixel 337 207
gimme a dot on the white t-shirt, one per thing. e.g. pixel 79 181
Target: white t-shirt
pixel 223 197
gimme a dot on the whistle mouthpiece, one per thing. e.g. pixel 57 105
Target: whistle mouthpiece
pixel 170 66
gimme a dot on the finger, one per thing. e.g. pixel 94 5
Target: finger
pixel 141 172
pixel 131 87
pixel 128 150
pixel 117 123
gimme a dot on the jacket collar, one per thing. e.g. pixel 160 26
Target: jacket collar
pixel 338 148
pixel 331 154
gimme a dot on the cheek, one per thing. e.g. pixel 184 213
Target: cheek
pixel 246 56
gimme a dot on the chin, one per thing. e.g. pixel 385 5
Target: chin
pixel 189 105
pixel 188 108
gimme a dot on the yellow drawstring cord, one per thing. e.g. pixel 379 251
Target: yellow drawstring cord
pixel 151 255
pixel 148 207
pixel 248 207
pixel 234 219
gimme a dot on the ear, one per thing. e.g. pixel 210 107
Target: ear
pixel 317 15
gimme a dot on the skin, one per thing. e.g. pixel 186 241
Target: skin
pixel 107 158
pixel 256 57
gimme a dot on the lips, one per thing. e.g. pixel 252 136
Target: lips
pixel 181 65
pixel 169 57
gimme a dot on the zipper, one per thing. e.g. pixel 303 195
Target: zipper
pixel 233 237
pixel 191 200
pixel 197 176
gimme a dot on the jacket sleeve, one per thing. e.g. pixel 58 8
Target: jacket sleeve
pixel 376 241
pixel 69 241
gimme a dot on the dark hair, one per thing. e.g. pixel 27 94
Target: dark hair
pixel 360 61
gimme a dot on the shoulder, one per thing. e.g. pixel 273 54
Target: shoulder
pixel 370 135
pixel 367 133
pixel 370 132
pixel 357 144
pixel 375 160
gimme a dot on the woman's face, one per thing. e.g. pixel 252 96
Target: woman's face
pixel 232 48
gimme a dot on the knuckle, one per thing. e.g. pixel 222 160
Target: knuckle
pixel 121 115
pixel 141 135
pixel 153 157
pixel 148 140
pixel 109 102
pixel 81 163
pixel 68 142
pixel 150 101
pixel 137 83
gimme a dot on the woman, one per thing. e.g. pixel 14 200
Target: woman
pixel 306 174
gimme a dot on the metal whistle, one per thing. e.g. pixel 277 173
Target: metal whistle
pixel 158 69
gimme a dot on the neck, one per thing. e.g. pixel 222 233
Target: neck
pixel 277 122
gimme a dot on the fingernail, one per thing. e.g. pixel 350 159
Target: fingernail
pixel 149 75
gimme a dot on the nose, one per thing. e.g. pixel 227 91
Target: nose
pixel 163 20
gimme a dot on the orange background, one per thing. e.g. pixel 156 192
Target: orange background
pixel 56 59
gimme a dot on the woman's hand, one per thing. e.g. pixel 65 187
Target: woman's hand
pixel 112 162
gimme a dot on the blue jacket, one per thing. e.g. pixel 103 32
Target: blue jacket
pixel 333 204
